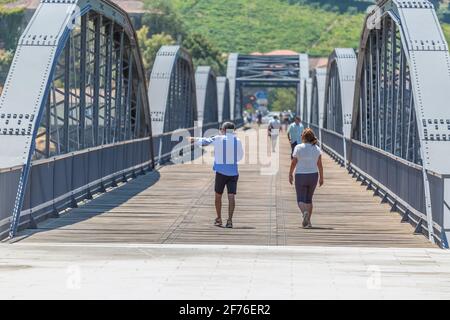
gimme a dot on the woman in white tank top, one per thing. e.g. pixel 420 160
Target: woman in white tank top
pixel 307 164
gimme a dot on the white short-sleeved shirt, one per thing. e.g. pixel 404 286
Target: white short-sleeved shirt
pixel 275 125
pixel 307 156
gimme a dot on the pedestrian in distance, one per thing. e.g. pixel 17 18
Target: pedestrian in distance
pixel 228 152
pixel 259 118
pixel 307 164
pixel 274 130
pixel 294 133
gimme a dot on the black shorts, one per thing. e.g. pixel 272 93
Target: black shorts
pixel 229 181
pixel 305 185
pixel 293 145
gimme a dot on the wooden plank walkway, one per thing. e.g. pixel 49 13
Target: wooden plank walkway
pixel 176 205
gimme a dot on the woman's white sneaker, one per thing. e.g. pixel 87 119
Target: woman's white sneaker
pixel 305 219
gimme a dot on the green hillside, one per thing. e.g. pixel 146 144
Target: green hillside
pixel 312 26
pixel 265 25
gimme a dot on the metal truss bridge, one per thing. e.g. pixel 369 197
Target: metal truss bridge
pixel 79 117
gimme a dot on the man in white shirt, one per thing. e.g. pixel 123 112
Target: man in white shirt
pixel 274 131
pixel 228 151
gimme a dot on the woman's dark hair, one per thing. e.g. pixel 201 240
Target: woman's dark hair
pixel 308 136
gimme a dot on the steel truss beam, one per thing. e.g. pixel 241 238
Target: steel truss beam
pixel 223 94
pixel 171 91
pixel 401 106
pixel 76 69
pixel 339 95
pixel 207 100
pixel 172 95
pixel 306 109
pixel 339 91
pixel 316 116
pixel 265 71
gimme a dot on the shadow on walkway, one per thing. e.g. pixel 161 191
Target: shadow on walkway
pixel 101 204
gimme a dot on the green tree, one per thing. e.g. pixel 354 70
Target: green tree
pixel 5 61
pixel 150 45
pixel 162 24
pixel 204 53
pixel 162 18
pixel 282 99
pixel 11 22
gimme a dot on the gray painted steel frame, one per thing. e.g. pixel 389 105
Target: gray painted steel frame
pixel 172 96
pixel 339 96
pixel 43 119
pixel 223 95
pixel 207 99
pixel 265 71
pixel 172 91
pixel 401 114
pixel 316 116
pixel 306 106
pixel 339 91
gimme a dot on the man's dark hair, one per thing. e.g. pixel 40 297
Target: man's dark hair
pixel 298 118
pixel 228 126
pixel 275 117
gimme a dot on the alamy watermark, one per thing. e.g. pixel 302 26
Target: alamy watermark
pixel 73 280
pixel 258 149
pixel 374 278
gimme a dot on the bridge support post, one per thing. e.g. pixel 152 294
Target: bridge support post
pixel 394 207
pixel 32 223
pixel 376 192
pixel 445 234
pixel 54 214
pixel 73 203
pixel 419 228
pixel 385 198
pixel 405 216
pixel 88 195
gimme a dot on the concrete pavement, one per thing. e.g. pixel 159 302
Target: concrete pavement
pixel 108 271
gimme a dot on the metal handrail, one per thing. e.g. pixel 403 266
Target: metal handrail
pixel 385 153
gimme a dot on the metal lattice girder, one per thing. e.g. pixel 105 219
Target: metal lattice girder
pixel 339 91
pixel 223 95
pixel 207 102
pixel 172 92
pixel 401 99
pixel 258 71
pixel 231 76
pixel 307 89
pixel 268 69
pixel 304 76
pixel 319 76
pixel 57 96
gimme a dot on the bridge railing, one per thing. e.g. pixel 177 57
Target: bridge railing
pixel 397 181
pixel 9 178
pixel 60 182
pixel 333 143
